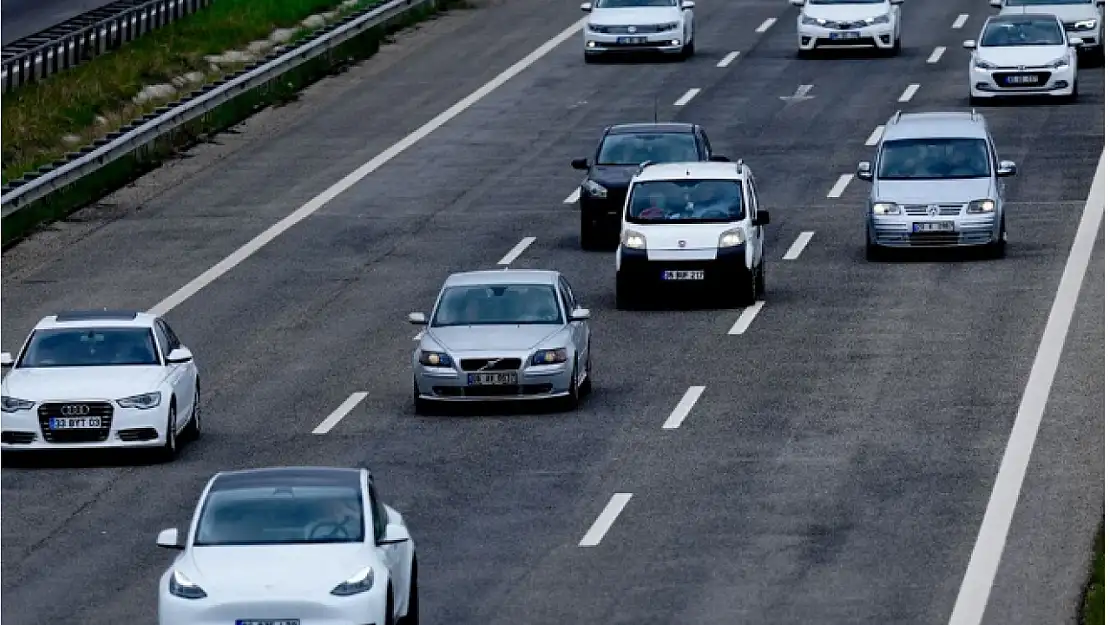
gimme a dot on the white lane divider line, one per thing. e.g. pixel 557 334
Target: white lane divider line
pixel 746 319
pixel 837 189
pixel 517 250
pixel 419 335
pixel 961 19
pixel 685 405
pixel 573 197
pixel 766 25
pixel 346 407
pixel 907 95
pixel 971 602
pixel 937 53
pixel 876 134
pixel 686 97
pixel 605 520
pixel 730 57
pixel 799 244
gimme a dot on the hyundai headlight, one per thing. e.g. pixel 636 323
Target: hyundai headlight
pixel 1086 24
pixel 881 19
pixel 886 208
pixel 593 189
pixel 731 238
pixel 182 586
pixel 358 583
pixel 981 206
pixel 434 359
pixel 634 240
pixel 15 404
pixel 1060 63
pixel 549 356
pixel 146 401
pixel 981 64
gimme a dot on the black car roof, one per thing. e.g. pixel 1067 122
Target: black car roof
pixel 287 476
pixel 664 127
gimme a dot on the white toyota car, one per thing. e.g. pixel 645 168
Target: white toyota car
pixel 291 546
pixel 617 26
pixel 1023 54
pixel 830 24
pixel 100 379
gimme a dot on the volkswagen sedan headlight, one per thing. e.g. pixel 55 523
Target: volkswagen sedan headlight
pixel 634 240
pixel 1086 25
pixel 434 359
pixel 668 26
pixel 981 206
pixel 731 238
pixel 886 208
pixel 182 586
pixel 549 356
pixel 593 189
pixel 145 401
pixel 358 583
pixel 981 64
pixel 15 404
pixel 882 19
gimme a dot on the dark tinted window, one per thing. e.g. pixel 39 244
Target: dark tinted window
pixel 90 347
pixel 925 159
pixel 1031 32
pixel 661 147
pixel 498 304
pixel 846 1
pixel 1033 3
pixel 689 201
pixel 625 4
pixel 269 515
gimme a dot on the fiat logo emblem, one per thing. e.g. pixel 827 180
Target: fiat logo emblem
pixel 75 410
pixel 682 243
pixel 631 29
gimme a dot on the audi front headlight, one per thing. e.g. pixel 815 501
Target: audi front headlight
pixel 593 189
pixel 358 583
pixel 731 238
pixel 981 206
pixel 434 359
pixel 145 401
pixel 182 586
pixel 885 208
pixel 1086 24
pixel 634 240
pixel 15 404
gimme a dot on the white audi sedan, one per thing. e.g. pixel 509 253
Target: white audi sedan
pixel 291 546
pixel 829 24
pixel 1022 55
pixel 615 26
pixel 100 379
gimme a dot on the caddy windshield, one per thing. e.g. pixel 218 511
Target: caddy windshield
pixel 89 347
pixel 1008 33
pixel 657 147
pixel 934 159
pixel 268 515
pixel 498 304
pixel 686 201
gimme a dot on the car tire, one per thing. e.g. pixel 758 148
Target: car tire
pixel 761 280
pixel 389 619
pixel 627 299
pixel 413 613
pixel 193 428
pixel 872 252
pixel 997 249
pixel 974 101
pixel 588 234
pixel 570 402
pixel 590 58
pixel 419 405
pixel 588 385
pixel 688 49
pixel 168 451
pixel 1074 95
pixel 806 54
pixel 747 290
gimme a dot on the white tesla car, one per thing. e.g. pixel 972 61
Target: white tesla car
pixel 615 26
pixel 291 546
pixel 828 24
pixel 100 379
pixel 1022 54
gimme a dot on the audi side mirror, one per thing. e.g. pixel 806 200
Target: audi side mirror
pixel 179 355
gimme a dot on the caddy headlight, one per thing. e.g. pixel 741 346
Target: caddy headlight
pixel 812 21
pixel 549 356
pixel 145 401
pixel 881 19
pixel 355 584
pixel 593 189
pixel 594 28
pixel 731 238
pixel 434 359
pixel 1086 24
pixel 181 586
pixel 15 404
pixel 634 240
pixel 981 206
pixel 886 208
pixel 981 64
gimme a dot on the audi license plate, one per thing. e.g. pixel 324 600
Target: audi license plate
pixel 935 226
pixel 684 275
pixel 631 40
pixel 1022 79
pixel 268 621
pixel 491 379
pixel 847 35
pixel 75 423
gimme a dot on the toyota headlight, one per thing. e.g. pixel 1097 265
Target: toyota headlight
pixel 981 64
pixel 358 583
pixel 1086 24
pixel 886 208
pixel 981 206
pixel 634 240
pixel 593 189
pixel 434 359
pixel 145 401
pixel 181 586
pixel 549 356
pixel 15 404
pixel 881 19
pixel 731 238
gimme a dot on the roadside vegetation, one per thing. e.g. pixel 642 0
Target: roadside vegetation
pixel 1093 611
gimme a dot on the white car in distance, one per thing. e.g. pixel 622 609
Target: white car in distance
pixel 838 24
pixel 631 26
pixel 87 380
pixel 1084 19
pixel 1023 54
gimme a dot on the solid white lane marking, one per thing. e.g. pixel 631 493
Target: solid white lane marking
pixel 876 134
pixel 517 250
pixel 746 319
pixel 987 553
pixel 685 405
pixel 907 95
pixel 573 197
pixel 937 53
pixel 327 424
pixel 686 97
pixel 605 520
pixel 348 181
pixel 730 57
pixel 766 25
pixel 837 189
pixel 961 19
pixel 799 244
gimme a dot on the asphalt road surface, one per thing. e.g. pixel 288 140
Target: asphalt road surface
pixel 837 465
pixel 26 17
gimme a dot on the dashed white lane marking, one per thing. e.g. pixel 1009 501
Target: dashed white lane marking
pixel 419 335
pixel 746 318
pixel 328 423
pixel 799 244
pixel 876 134
pixel 730 57
pixel 837 189
pixel 975 589
pixel 935 56
pixel 907 95
pixel 605 520
pixel 685 405
pixel 351 179
pixel 517 250
pixel 766 25
pixel 961 19
pixel 573 197
pixel 686 97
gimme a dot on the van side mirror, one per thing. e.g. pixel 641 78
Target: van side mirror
pixel 6 359
pixel 762 218
pixel 688 4
pixel 418 318
pixel 996 4
pixel 969 44
pixel 586 6
pixel 168 538
pixel 1007 169
pixel 863 171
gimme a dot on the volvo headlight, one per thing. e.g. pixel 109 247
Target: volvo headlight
pixel 886 208
pixel 731 238
pixel 981 64
pixel 181 586
pixel 634 240
pixel 434 359
pixel 593 189
pixel 145 401
pixel 981 206
pixel 881 19
pixel 355 584
pixel 15 404
pixel 549 356
pixel 1086 24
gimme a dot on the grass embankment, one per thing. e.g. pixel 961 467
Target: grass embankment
pixel 1093 611
pixel 37 118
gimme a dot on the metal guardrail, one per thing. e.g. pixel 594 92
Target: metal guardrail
pixel 23 192
pixel 90 34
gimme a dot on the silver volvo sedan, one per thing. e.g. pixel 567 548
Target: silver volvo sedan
pixel 510 334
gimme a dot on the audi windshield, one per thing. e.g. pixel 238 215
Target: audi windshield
pixel 89 347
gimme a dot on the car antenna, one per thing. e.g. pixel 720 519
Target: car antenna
pixel 655 109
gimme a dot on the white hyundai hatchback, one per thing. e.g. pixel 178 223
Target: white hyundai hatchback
pixel 830 24
pixel 1022 54
pixel 630 26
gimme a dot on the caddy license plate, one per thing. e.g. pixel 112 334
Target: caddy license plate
pixel 491 379
pixel 631 40
pixel 847 35
pixel 684 275
pixel 75 423
pixel 268 621
pixel 1023 79
pixel 935 226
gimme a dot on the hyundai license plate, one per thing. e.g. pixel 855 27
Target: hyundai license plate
pixel 268 621
pixel 491 379
pixel 846 35
pixel 74 423
pixel 631 40
pixel 934 226
pixel 1022 79
pixel 684 275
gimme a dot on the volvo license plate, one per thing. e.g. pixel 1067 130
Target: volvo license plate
pixel 491 379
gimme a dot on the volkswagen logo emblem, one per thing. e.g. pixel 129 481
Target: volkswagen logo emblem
pixel 631 29
pixel 682 243
pixel 1021 67
pixel 934 210
pixel 75 410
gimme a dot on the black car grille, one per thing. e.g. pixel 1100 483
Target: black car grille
pixel 100 409
pixel 1001 78
pixel 934 238
pixel 623 30
pixel 504 364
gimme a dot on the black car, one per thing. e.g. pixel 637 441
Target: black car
pixel 621 150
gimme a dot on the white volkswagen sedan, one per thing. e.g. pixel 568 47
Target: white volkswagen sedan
pixel 832 24
pixel 291 546
pixel 100 379
pixel 1022 54
pixel 615 26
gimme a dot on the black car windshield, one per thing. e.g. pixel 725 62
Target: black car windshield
pixel 846 1
pixel 657 147
pixel 1033 3
pixel 933 159
pixel 629 4
pixel 265 515
pixel 686 201
pixel 498 304
pixel 1027 32
pixel 89 347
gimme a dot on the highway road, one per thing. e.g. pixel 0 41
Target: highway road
pixel 26 17
pixel 835 468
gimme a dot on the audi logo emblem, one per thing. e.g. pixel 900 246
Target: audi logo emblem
pixel 75 410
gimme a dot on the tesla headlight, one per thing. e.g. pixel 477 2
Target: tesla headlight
pixel 181 586
pixel 981 206
pixel 634 240
pixel 881 19
pixel 731 238
pixel 593 189
pixel 668 26
pixel 15 404
pixel 549 356
pixel 812 21
pixel 981 64
pixel 434 359
pixel 355 584
pixel 1086 24
pixel 885 208
pixel 145 401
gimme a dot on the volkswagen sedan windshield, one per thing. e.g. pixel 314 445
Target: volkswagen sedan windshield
pixel 686 201
pixel 1032 32
pixel 934 159
pixel 657 147
pixel 498 304
pixel 281 516
pixel 89 347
